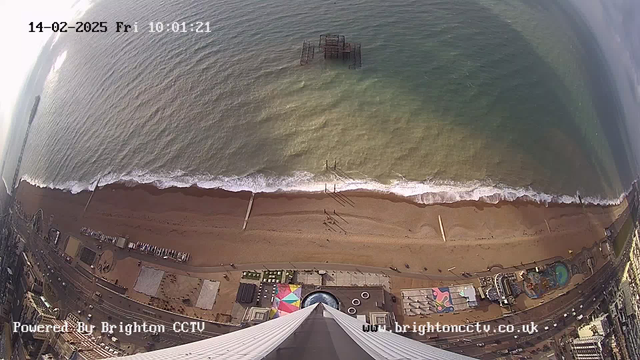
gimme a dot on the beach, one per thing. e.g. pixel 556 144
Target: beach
pixel 367 228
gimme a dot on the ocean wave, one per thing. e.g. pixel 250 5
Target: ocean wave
pixel 422 192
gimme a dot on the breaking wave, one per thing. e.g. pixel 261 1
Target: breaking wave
pixel 422 192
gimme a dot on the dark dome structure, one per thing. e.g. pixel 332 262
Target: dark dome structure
pixel 320 297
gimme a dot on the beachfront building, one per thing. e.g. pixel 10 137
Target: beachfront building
pixel 314 332
pixel 597 327
pixel 73 344
pixel 35 311
pixel 438 300
pixel 256 315
pixel 502 288
pixel 589 348
pixel 624 320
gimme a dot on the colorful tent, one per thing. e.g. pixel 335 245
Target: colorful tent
pixel 286 300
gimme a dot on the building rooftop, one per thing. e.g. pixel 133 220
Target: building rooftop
pixel 87 347
pixel 362 299
pixel 40 304
pixel 439 300
pixel 256 315
pixel 246 293
pixel 588 341
pixel 599 326
pixel 380 318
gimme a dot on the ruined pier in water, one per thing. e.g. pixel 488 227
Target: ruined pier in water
pixel 333 47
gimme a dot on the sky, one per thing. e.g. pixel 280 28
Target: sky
pixel 20 48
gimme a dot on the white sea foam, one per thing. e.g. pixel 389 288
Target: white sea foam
pixel 426 192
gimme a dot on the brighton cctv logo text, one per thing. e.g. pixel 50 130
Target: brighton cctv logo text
pixel 105 327
pixel 423 329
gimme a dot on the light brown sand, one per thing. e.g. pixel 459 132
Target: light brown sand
pixel 371 229
pixel 127 271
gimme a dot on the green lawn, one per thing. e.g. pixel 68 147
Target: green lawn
pixel 623 235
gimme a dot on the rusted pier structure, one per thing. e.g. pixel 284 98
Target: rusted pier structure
pixel 333 47
pixel 308 51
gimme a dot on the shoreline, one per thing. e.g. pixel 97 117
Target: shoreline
pixel 244 194
pixel 434 193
